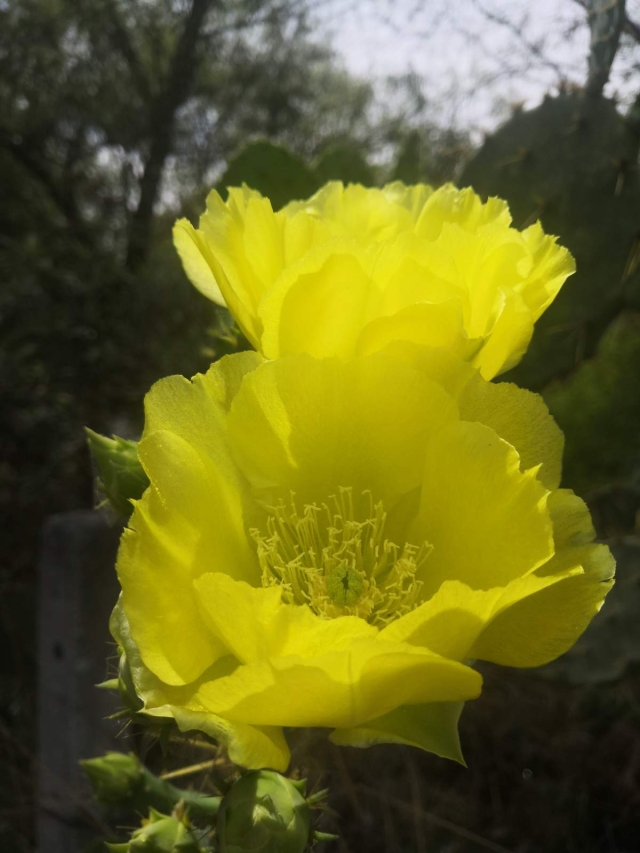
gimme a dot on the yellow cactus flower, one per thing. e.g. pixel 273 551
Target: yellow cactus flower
pixel 328 543
pixel 351 269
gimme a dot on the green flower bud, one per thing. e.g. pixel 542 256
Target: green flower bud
pixel 115 777
pixel 162 834
pixel 122 478
pixel 264 813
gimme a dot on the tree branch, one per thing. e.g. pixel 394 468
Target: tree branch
pixel 516 31
pixel 630 27
pixel 606 22
pixel 107 14
pixel 63 200
pixel 122 43
pixel 162 126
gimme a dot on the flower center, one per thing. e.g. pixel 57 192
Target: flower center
pixel 325 558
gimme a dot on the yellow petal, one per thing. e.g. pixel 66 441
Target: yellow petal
pixel 300 232
pixel 454 621
pixel 318 305
pixel 408 271
pixel 324 203
pixel 572 524
pixel 253 747
pixel 462 207
pixel 440 324
pixel 507 340
pixel 440 364
pixel 248 746
pixel 338 689
pixel 196 409
pixel 154 568
pixel 485 264
pixel 310 427
pixel 573 535
pixel 191 520
pixel 197 260
pixel 263 242
pixel 222 229
pixel 205 511
pixel 541 628
pixel 518 416
pixel 522 419
pixel 545 270
pixel 362 213
pixel 433 728
pixel 254 624
pixel 412 197
pixel 532 619
pixel 487 520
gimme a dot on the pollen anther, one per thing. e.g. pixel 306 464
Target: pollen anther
pixel 325 558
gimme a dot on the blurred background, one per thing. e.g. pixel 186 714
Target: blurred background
pixel 117 116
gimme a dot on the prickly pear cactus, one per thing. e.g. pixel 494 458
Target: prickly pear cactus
pixel 282 176
pixel 571 163
pixel 346 165
pixel 598 408
pixel 611 644
pixel 273 171
pixel 410 166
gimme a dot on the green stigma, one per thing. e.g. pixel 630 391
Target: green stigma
pixel 337 565
pixel 345 586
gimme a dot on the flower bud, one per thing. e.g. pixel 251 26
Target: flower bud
pixel 122 478
pixel 162 834
pixel 264 813
pixel 115 777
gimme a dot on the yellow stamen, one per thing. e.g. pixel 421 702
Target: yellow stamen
pixel 337 565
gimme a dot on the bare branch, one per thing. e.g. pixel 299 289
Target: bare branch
pixel 119 38
pixel 517 31
pixel 122 42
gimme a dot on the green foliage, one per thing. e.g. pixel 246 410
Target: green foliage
pixel 425 156
pixel 282 176
pixel 409 167
pixel 272 170
pixel 598 408
pixel 344 164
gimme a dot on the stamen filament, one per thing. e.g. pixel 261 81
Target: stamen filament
pixel 339 566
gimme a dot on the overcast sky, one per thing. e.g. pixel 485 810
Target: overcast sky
pixel 475 56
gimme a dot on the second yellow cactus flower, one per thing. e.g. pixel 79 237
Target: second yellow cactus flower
pixel 351 269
